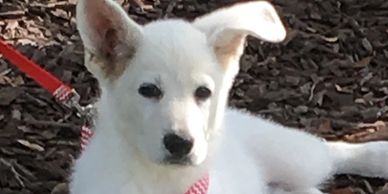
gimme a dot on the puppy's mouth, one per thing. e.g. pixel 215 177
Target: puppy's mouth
pixel 184 161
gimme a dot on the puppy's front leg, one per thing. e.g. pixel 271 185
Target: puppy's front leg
pixel 290 158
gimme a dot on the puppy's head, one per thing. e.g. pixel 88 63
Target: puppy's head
pixel 165 84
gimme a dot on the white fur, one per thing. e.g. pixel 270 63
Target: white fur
pixel 242 153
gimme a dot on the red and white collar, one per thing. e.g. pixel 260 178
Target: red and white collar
pixel 199 187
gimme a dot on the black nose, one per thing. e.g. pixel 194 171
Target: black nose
pixel 177 145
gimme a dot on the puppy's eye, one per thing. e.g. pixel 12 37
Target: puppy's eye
pixel 202 93
pixel 150 91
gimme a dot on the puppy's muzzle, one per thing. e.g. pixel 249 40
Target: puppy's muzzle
pixel 178 147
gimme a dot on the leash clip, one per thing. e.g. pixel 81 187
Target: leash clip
pixel 88 112
pixel 70 98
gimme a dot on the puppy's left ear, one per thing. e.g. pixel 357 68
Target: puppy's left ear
pixel 226 29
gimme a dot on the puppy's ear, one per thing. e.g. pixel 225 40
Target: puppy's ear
pixel 227 28
pixel 109 36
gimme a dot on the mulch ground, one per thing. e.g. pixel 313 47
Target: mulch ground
pixel 330 77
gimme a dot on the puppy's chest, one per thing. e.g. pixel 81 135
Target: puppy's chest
pixel 134 184
pixel 132 187
pixel 217 186
pixel 236 183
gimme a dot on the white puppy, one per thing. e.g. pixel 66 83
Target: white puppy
pixel 163 122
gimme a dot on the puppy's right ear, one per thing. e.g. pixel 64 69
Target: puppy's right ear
pixel 227 28
pixel 109 36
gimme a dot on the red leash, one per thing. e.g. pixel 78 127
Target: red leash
pixel 44 78
pixel 62 92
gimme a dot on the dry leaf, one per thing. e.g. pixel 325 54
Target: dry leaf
pixel 325 126
pixel 363 62
pixel 32 146
pixel 12 25
pixel 385 186
pixel 330 39
pixel 343 89
pixel 61 188
pixel 360 101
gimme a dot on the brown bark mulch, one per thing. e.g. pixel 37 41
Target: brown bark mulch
pixel 330 77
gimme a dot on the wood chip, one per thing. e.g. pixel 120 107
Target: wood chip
pixel 30 145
